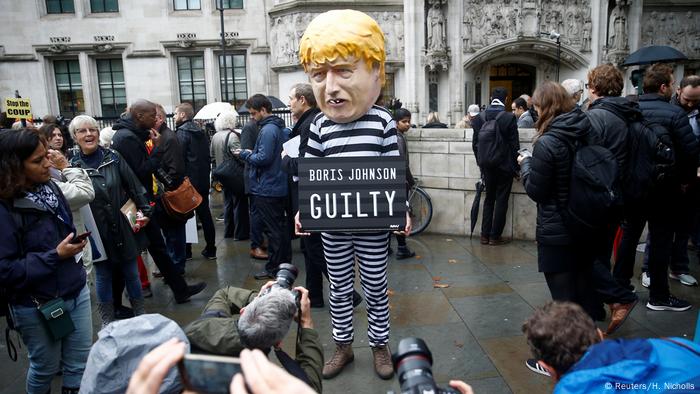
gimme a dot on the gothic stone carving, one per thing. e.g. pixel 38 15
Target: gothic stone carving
pixel 680 30
pixel 486 22
pixel 617 47
pixel 286 32
pixel 437 54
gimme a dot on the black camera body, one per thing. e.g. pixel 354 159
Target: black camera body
pixel 285 277
pixel 413 365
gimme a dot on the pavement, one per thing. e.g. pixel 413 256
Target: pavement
pixel 466 300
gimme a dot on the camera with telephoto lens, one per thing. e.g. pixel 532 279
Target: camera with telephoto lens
pixel 285 277
pixel 412 363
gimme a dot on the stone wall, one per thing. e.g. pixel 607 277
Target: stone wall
pixel 444 162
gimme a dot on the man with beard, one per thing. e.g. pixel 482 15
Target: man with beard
pixel 133 129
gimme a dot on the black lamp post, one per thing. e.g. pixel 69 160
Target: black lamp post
pixel 553 35
pixel 220 7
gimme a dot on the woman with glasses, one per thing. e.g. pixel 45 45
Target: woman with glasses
pixel 115 184
pixel 40 270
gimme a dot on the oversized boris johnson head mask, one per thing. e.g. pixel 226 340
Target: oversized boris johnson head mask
pixel 342 51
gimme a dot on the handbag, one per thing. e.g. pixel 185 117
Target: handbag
pixel 181 202
pixel 56 318
pixel 230 172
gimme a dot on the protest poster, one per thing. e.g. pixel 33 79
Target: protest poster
pixel 352 194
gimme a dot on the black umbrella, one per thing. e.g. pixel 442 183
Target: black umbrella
pixel 475 205
pixel 654 54
pixel 276 103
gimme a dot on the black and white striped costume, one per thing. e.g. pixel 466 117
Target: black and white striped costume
pixel 374 134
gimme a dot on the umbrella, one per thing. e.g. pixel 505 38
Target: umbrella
pixel 654 54
pixel 276 103
pixel 211 111
pixel 475 205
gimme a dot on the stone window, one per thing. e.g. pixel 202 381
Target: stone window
pixel 110 77
pixel 236 81
pixel 60 7
pixel 104 6
pixel 181 5
pixel 229 4
pixel 190 75
pixel 69 87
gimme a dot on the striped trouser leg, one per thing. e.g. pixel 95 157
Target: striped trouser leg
pixel 370 249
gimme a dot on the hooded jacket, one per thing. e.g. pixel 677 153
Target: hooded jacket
pixel 130 141
pixel 29 263
pixel 265 175
pixel 546 175
pixel 195 154
pixel 656 108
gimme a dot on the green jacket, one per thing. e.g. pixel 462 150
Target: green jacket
pixel 216 332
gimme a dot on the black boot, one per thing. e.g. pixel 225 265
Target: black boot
pixel 404 252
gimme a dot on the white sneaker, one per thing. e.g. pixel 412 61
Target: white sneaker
pixel 685 279
pixel 645 279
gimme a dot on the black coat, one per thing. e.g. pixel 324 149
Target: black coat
pixel 508 126
pixel 546 175
pixel 249 135
pixel 301 128
pixel 33 268
pixel 115 183
pixel 195 155
pixel 130 141
pixel 609 117
pixel 657 109
pixel 169 155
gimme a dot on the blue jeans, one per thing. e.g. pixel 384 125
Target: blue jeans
pixel 46 356
pixel 175 242
pixel 103 279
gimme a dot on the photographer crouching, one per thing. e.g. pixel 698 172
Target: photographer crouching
pixel 235 319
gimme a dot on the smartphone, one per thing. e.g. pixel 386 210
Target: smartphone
pixel 203 373
pixel 80 238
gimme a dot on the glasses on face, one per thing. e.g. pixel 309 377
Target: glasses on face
pixel 91 130
pixel 586 85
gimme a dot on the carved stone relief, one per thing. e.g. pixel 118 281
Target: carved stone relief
pixel 436 55
pixel 486 22
pixel 617 45
pixel 286 32
pixel 680 30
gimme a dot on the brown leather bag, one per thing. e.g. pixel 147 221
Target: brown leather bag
pixel 181 202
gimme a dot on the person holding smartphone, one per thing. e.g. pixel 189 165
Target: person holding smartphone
pixel 38 263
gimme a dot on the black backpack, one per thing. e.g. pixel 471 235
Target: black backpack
pixel 594 190
pixel 650 161
pixel 491 146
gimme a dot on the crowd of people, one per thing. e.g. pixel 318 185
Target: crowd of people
pixel 57 181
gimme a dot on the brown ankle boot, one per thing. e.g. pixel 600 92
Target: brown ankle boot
pixel 382 362
pixel 343 356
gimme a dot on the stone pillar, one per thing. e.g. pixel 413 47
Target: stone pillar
pixel 456 73
pixel 211 76
pixel 416 78
pixel 91 89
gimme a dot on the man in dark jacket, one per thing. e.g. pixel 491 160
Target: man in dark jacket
pixel 249 136
pixel 268 183
pixel 499 180
pixel 133 129
pixel 170 173
pixel 609 115
pixel 195 154
pixel 668 207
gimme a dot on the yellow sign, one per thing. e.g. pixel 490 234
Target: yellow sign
pixel 18 108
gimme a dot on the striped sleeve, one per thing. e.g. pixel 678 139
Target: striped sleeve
pixel 314 147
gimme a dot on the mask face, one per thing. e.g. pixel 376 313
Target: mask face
pixel 345 88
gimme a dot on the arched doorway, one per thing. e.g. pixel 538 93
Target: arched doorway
pixel 516 78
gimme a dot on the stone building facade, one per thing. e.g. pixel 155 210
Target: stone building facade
pixel 93 56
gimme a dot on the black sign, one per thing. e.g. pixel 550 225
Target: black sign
pixel 352 194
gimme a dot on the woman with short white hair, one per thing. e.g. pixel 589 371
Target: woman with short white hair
pixel 115 184
pixel 219 149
